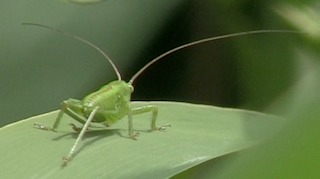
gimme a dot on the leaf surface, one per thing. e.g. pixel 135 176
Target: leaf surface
pixel 198 133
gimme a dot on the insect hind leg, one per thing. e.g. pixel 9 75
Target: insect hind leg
pixel 67 158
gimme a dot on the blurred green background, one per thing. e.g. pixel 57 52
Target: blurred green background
pixel 40 68
pixel 276 73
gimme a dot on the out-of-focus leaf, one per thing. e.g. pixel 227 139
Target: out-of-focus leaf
pixel 303 17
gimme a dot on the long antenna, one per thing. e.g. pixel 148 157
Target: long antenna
pixel 203 41
pixel 82 40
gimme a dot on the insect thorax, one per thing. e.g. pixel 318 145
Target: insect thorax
pixel 116 92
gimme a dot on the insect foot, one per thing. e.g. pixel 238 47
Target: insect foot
pixel 163 128
pixel 75 128
pixel 66 160
pixel 135 136
pixel 42 127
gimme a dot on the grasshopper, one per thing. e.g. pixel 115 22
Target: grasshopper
pixel 112 102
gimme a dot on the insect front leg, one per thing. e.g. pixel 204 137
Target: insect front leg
pixel 145 109
pixel 71 107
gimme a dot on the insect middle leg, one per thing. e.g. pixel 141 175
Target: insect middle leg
pixel 73 108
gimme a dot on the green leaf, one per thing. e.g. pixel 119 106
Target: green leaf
pixel 198 133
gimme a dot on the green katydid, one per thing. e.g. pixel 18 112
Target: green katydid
pixel 112 102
